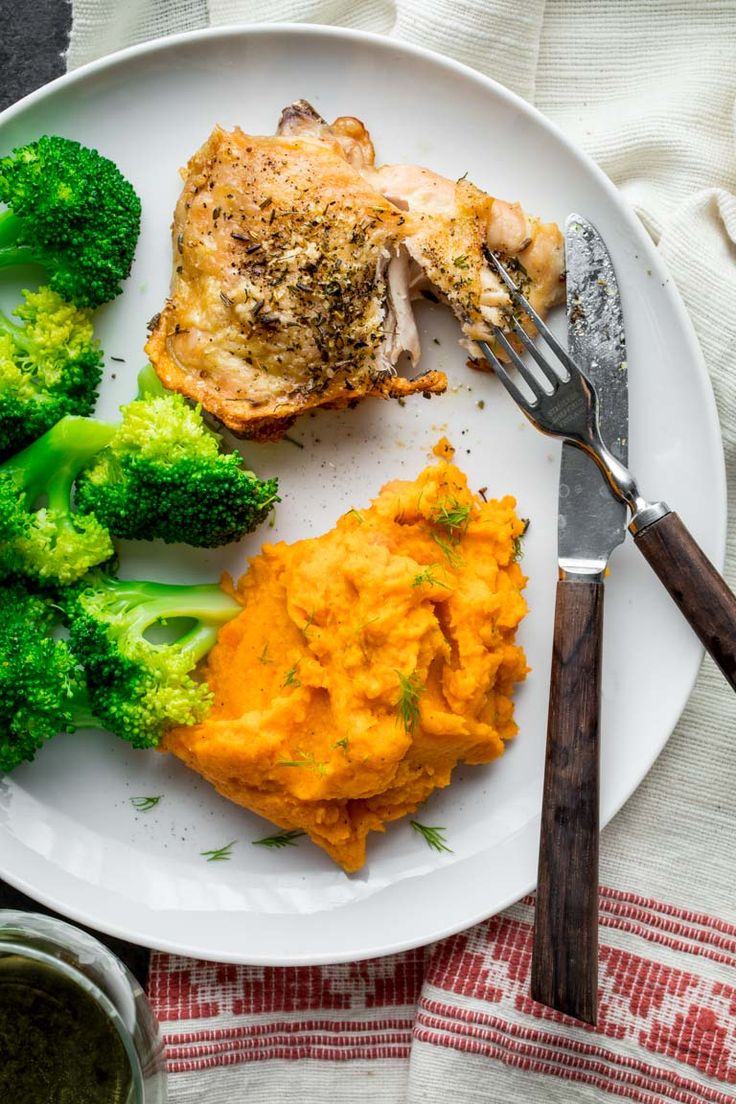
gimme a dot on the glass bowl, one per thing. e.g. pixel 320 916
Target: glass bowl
pixel 56 970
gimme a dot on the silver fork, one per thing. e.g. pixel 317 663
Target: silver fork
pixel 565 404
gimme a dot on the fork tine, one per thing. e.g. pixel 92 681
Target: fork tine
pixel 548 369
pixel 505 378
pixel 544 332
pixel 525 372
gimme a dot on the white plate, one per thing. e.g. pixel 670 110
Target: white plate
pixel 68 834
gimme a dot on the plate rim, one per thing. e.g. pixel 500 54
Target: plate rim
pixel 163 45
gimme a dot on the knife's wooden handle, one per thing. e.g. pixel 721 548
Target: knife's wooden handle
pixel 565 952
pixel 697 588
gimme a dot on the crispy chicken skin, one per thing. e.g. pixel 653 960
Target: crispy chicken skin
pixel 281 297
pixel 296 260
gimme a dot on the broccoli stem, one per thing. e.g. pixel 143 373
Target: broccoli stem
pixel 17 255
pixel 143 604
pixel 200 640
pixel 51 464
pixel 10 227
pixel 81 710
pixel 16 332
pixel 149 385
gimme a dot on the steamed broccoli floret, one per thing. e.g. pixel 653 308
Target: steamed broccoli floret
pixel 49 366
pixel 42 689
pixel 138 688
pixel 72 212
pixel 40 535
pixel 164 475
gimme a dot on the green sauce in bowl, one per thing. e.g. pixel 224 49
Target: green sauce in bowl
pixel 57 1045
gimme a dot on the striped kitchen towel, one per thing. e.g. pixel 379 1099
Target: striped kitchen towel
pixel 455 1022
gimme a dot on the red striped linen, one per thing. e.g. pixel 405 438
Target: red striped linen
pixel 440 1023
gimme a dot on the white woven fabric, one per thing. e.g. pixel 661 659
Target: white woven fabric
pixel 647 87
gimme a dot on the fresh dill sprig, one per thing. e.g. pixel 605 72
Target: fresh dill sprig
pixel 284 839
pixel 219 854
pixel 144 804
pixel 357 515
pixel 461 261
pixel 451 554
pixel 369 621
pixel 264 656
pixel 344 744
pixel 433 835
pixel 310 620
pixel 360 633
pixel 407 708
pixel 427 578
pixel 518 547
pixel 453 516
pixel 305 759
pixel 290 678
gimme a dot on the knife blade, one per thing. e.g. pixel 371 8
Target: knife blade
pixel 591 523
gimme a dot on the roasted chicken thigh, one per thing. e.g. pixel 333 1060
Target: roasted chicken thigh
pixel 286 269
pixel 296 260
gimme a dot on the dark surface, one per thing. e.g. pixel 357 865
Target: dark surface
pixel 35 34
pixel 565 949
pixel 695 585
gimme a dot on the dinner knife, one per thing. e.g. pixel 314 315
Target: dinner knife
pixel 591 525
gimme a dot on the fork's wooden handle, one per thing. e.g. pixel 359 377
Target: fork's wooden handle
pixel 697 588
pixel 565 950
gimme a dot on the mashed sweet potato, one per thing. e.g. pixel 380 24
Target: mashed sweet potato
pixel 367 663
